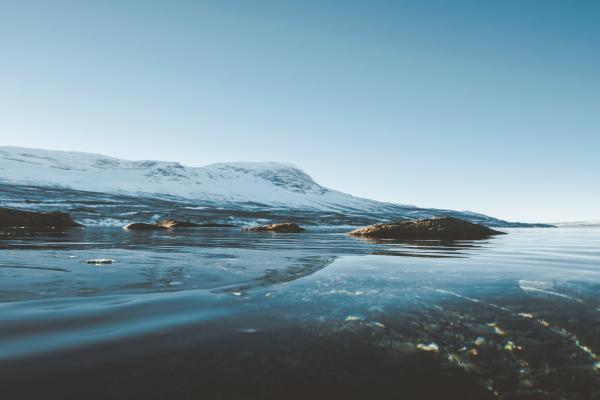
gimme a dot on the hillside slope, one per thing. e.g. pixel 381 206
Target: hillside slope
pixel 35 178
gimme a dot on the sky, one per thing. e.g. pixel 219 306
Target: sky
pixel 489 106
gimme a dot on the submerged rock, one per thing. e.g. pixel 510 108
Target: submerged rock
pixel 100 261
pixel 288 227
pixel 432 228
pixel 142 226
pixel 11 218
pixel 432 347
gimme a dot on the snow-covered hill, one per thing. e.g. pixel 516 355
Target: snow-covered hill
pixel 268 183
pixel 236 186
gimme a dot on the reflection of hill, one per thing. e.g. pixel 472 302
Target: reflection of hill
pixel 299 268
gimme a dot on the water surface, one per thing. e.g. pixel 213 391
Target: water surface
pixel 220 313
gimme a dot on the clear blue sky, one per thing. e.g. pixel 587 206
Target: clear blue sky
pixel 491 106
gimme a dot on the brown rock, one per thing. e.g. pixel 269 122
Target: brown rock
pixel 141 226
pixel 171 223
pixel 11 218
pixel 433 228
pixel 288 227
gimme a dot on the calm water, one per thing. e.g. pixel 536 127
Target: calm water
pixel 220 313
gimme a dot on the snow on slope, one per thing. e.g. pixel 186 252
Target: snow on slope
pixel 275 184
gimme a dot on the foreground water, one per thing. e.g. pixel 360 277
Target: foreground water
pixel 220 313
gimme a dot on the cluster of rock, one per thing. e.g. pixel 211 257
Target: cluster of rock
pixel 172 224
pixel 288 227
pixel 432 228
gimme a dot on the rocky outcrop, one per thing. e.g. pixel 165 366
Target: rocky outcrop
pixel 171 223
pixel 141 226
pixel 433 228
pixel 288 227
pixel 11 218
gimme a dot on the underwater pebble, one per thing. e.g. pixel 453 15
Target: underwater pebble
pixel 428 347
pixel 526 382
pixel 497 329
pixel 509 345
pixel 354 318
pixel 544 323
pixel 463 363
pixel 99 261
pixel 491 389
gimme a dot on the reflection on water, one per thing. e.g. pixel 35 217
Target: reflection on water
pixel 222 313
pixel 183 259
pixel 424 248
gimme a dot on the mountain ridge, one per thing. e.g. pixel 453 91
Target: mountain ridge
pixel 235 185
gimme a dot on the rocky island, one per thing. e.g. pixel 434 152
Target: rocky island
pixel 11 218
pixel 448 228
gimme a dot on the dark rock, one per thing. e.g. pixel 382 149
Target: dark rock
pixel 288 227
pixel 434 228
pixel 11 218
pixel 170 223
pixel 141 226
pixel 99 261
